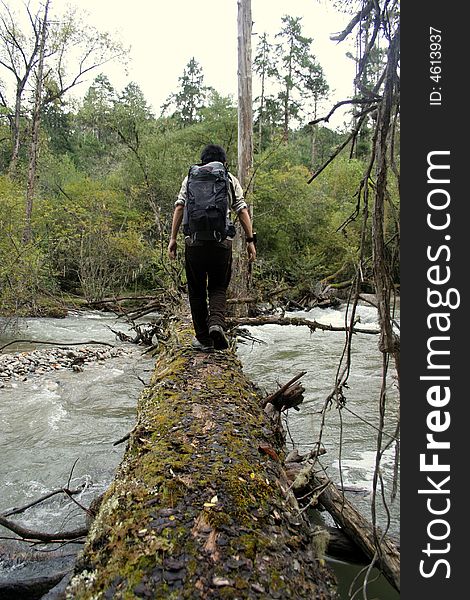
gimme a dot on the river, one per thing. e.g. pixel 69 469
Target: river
pixel 349 435
pixel 58 428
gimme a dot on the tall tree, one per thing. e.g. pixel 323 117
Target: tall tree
pixel 240 282
pixel 95 111
pixel 19 52
pixel 132 121
pixel 132 118
pixel 264 65
pixel 33 155
pixel 300 73
pixel 76 49
pixel 72 49
pixel 245 104
pixel 315 89
pixel 191 96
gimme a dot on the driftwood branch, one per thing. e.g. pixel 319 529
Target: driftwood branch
pixel 117 299
pixel 355 101
pixel 312 325
pixel 41 536
pixel 38 536
pixel 242 300
pixel 290 395
pixel 338 544
pixel 342 547
pixel 123 439
pixel 362 14
pixel 377 546
pixel 19 510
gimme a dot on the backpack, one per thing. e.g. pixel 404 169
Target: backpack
pixel 207 203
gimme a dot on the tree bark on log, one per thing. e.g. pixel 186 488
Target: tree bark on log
pixel 200 506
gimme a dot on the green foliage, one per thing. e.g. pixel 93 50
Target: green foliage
pixel 297 223
pixel 109 175
pixel 172 149
pixel 24 270
pixel 94 237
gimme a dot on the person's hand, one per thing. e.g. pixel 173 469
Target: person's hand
pixel 251 249
pixel 172 249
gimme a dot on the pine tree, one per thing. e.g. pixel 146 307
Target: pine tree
pixel 191 96
pixel 301 76
pixel 264 65
pixel 98 103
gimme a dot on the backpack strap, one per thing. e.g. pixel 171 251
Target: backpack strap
pixel 232 187
pixel 187 182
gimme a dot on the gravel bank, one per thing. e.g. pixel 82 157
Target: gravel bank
pixel 23 365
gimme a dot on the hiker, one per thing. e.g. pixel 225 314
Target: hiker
pixel 207 196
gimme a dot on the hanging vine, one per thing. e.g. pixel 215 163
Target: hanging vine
pixel 374 22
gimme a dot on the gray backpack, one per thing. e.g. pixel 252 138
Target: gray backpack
pixel 207 202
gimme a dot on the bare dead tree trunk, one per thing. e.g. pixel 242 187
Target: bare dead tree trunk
pixel 15 134
pixel 288 93
pixel 15 50
pixel 314 132
pixel 261 113
pixel 245 111
pixel 240 280
pixel 313 155
pixel 33 159
pixel 286 108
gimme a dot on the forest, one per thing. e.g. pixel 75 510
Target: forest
pixel 87 186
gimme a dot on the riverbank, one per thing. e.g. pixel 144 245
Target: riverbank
pixel 43 305
pixel 272 296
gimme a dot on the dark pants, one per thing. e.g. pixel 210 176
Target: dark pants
pixel 208 271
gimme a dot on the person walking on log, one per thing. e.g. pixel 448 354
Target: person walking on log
pixel 208 195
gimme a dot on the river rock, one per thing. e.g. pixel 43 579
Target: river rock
pixel 22 365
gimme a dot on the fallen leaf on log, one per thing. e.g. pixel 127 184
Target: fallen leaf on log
pixel 269 450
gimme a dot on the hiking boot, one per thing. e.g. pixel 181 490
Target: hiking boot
pixel 218 337
pixel 197 345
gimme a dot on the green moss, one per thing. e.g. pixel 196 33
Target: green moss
pixel 249 544
pixel 240 583
pixel 218 519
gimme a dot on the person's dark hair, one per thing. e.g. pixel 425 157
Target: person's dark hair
pixel 213 152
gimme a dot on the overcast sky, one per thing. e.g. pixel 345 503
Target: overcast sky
pixel 165 34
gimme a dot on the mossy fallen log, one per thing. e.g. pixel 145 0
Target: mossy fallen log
pixel 200 506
